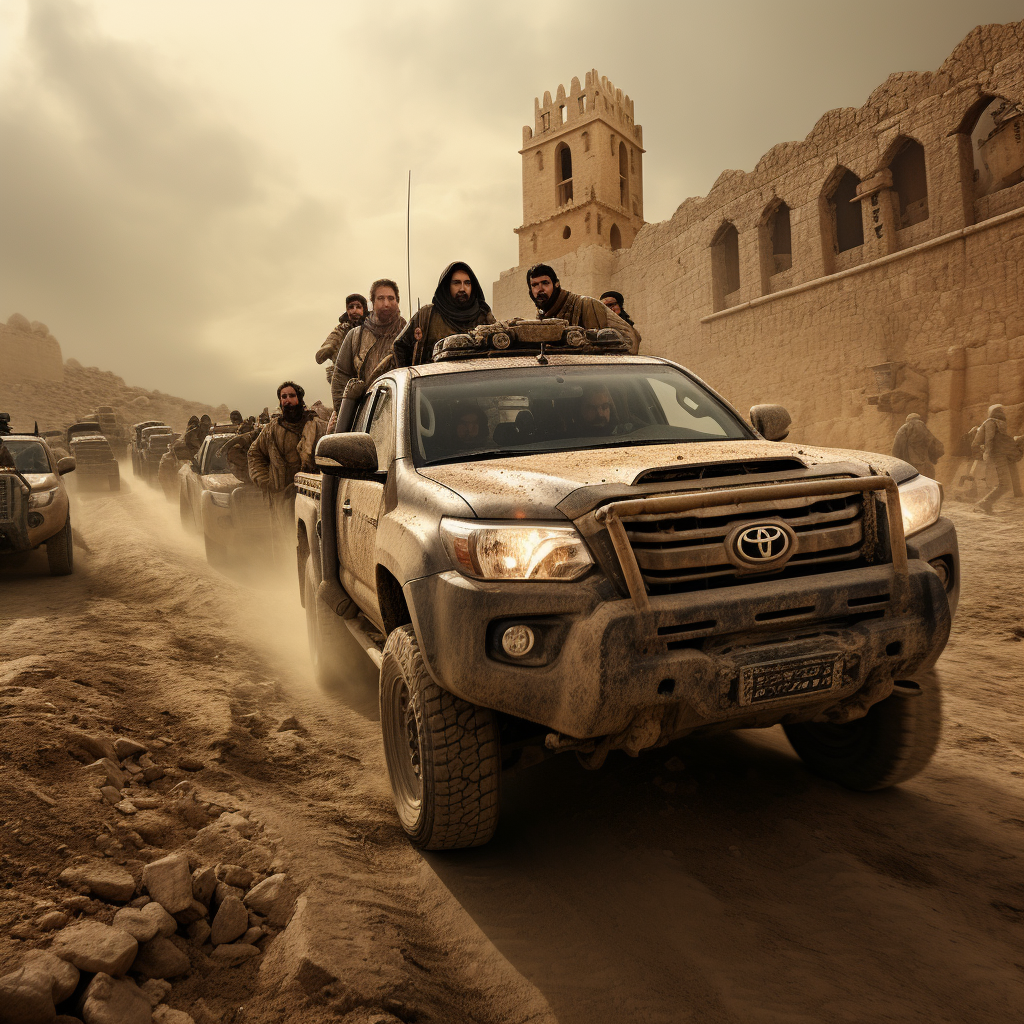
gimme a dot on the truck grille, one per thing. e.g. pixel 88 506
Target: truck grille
pixel 7 485
pixel 686 551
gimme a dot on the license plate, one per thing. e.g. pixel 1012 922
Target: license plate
pixel 794 678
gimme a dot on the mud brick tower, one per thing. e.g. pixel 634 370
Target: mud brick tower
pixel 582 172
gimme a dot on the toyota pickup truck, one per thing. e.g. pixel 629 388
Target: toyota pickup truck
pixel 547 544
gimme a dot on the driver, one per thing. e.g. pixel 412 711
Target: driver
pixel 470 428
pixel 597 412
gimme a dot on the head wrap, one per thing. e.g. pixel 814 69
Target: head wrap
pixel 354 297
pixel 996 412
pixel 617 296
pixel 462 318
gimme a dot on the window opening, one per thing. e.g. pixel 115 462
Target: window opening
pixel 623 174
pixel 997 144
pixel 725 265
pixel 910 183
pixel 615 237
pixel 566 231
pixel 846 214
pixel 780 239
pixel 563 163
pixel 586 142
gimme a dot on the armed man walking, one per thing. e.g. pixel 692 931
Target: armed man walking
pixel 554 302
pixel 457 307
pixel 367 349
pixel 284 447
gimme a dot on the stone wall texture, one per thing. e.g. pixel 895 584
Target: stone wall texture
pixel 901 290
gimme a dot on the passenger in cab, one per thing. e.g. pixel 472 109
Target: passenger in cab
pixel 457 307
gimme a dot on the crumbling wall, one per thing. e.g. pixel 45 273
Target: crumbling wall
pixel 28 351
pixel 922 315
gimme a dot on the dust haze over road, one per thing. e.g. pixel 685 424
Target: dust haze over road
pixel 712 881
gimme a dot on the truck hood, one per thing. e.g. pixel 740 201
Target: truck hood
pixel 224 482
pixel 42 481
pixel 533 486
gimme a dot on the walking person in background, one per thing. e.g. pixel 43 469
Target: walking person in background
pixel 916 444
pixel 1000 452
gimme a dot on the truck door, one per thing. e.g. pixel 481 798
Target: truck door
pixel 361 504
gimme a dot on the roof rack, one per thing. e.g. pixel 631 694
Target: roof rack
pixel 518 337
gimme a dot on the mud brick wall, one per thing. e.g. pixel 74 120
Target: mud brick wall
pixel 894 284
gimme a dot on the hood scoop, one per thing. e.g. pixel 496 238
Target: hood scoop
pixel 708 471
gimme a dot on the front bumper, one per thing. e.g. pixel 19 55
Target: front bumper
pixel 599 667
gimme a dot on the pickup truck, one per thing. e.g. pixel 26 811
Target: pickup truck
pixel 546 544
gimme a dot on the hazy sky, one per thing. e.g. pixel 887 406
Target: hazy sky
pixel 188 188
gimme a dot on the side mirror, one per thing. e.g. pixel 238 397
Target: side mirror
pixel 771 421
pixel 344 454
pixel 66 465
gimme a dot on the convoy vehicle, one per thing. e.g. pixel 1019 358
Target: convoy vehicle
pixel 34 506
pixel 93 456
pixel 571 548
pixel 136 443
pixel 214 502
pixel 155 442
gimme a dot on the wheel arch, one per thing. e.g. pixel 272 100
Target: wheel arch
pixel 394 611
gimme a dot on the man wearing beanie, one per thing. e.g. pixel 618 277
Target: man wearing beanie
pixel 355 311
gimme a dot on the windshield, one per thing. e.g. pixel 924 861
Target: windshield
pixel 487 414
pixel 214 461
pixel 29 456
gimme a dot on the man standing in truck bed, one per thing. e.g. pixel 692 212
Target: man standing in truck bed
pixel 457 307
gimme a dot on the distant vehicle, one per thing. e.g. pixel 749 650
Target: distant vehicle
pixel 111 428
pixel 214 502
pixel 34 506
pixel 93 456
pixel 155 441
pixel 136 443
pixel 569 548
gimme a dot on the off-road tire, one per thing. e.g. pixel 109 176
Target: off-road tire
pixel 324 652
pixel 443 753
pixel 60 552
pixel 892 743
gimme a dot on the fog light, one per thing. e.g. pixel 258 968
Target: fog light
pixel 941 567
pixel 34 520
pixel 517 641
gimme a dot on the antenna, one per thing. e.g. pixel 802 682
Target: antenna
pixel 408 240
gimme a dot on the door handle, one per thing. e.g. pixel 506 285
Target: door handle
pixel 346 508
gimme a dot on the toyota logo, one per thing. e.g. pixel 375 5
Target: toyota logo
pixel 761 545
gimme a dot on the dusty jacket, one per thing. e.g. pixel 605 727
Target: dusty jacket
pixel 916 444
pixel 995 442
pixel 283 449
pixel 590 314
pixel 354 359
pixel 328 351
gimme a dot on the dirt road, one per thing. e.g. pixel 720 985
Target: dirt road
pixel 715 881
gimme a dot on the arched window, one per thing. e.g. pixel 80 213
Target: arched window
pixel 623 174
pixel 566 231
pixel 563 172
pixel 586 142
pixel 540 160
pixel 725 266
pixel 995 126
pixel 779 240
pixel 615 237
pixel 910 182
pixel 847 226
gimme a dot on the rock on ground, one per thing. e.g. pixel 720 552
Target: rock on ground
pixel 169 881
pixel 102 879
pixel 231 921
pixel 160 958
pixel 204 882
pixel 232 954
pixel 165 1015
pixel 95 947
pixel 27 996
pixel 274 898
pixel 115 1001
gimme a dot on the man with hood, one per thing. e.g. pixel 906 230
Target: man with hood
pixel 457 307
pixel 1000 451
pixel 355 311
pixel 614 301
pixel 236 420
pixel 916 444
pixel 284 447
pixel 555 303
pixel 366 351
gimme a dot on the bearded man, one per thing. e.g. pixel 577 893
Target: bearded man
pixel 554 302
pixel 366 351
pixel 284 447
pixel 457 307
pixel 355 311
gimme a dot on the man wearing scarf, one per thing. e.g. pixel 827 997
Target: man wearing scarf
pixel 457 307
pixel 613 300
pixel 554 302
pixel 355 310
pixel 366 351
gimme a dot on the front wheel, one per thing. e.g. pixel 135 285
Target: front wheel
pixel 443 753
pixel 892 743
pixel 60 552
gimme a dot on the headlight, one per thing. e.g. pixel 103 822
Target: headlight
pixel 515 551
pixel 220 498
pixel 40 499
pixel 920 502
